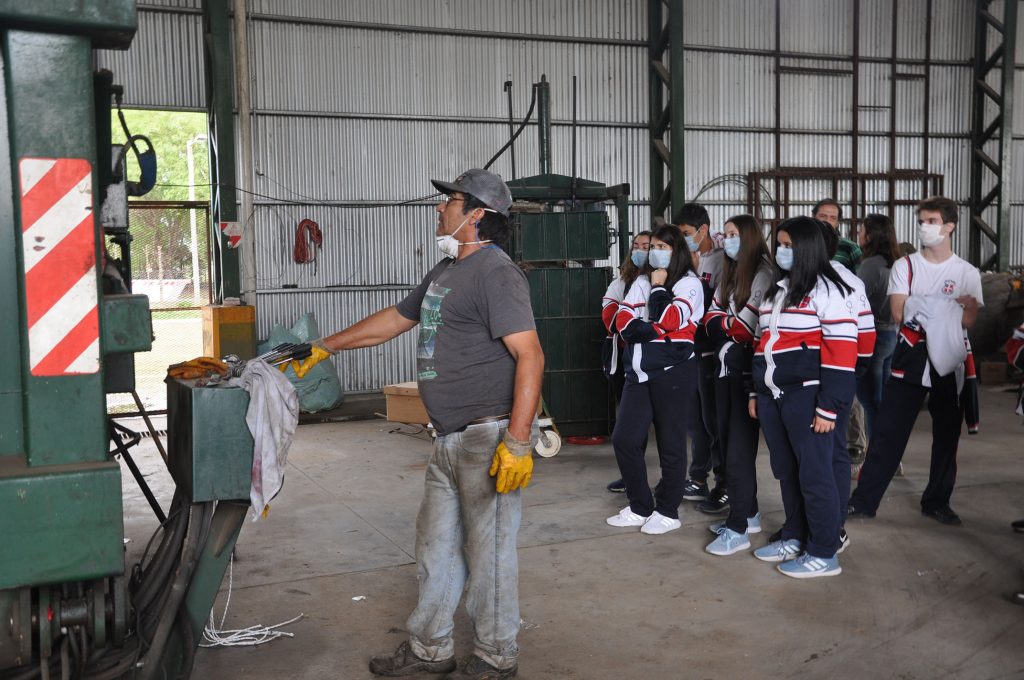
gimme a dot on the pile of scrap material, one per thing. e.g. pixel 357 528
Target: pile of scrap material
pixel 200 367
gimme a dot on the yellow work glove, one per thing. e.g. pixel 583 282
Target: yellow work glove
pixel 512 464
pixel 320 352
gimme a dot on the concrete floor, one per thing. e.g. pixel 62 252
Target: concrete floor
pixel 916 600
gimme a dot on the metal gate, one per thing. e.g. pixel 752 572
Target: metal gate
pixel 170 263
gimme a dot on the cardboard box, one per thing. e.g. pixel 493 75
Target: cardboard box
pixel 404 404
pixel 993 372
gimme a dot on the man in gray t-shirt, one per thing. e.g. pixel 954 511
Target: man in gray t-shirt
pixel 479 367
pixel 465 307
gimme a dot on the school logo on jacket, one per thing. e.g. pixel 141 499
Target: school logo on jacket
pixel 706 277
pixel 947 286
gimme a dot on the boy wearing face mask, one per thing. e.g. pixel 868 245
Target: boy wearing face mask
pixel 695 224
pixel 928 291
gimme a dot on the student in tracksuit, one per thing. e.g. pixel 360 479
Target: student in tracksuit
pixel 613 349
pixel 708 454
pixel 804 373
pixel 730 324
pixel 939 274
pixel 859 304
pixel 657 320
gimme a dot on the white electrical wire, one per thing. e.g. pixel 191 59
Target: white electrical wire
pixel 214 636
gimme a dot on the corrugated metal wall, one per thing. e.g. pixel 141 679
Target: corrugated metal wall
pixel 365 100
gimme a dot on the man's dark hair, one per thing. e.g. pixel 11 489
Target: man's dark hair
pixel 827 201
pixel 493 226
pixel 693 214
pixel 948 207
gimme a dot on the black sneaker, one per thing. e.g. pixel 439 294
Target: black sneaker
pixel 716 503
pixel 694 490
pixel 478 669
pixel 854 513
pixel 404 662
pixel 944 514
pixel 618 486
pixel 1018 526
pixel 844 541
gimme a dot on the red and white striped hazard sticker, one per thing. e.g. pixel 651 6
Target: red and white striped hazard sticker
pixel 59 246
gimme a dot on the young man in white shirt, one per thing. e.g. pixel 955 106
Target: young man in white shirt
pixel 938 273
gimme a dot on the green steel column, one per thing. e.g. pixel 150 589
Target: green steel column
pixel 677 169
pixel 544 124
pixel 656 103
pixel 49 83
pixel 12 440
pixel 1006 136
pixel 220 88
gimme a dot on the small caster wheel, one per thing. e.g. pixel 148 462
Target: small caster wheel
pixel 549 443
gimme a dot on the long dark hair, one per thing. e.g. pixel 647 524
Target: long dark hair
pixel 629 271
pixel 880 238
pixel 738 275
pixel 810 261
pixel 681 263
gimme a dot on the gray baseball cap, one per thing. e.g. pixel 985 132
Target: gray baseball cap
pixel 481 184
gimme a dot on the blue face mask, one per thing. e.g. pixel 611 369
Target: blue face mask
pixel 732 246
pixel 659 259
pixel 639 258
pixel 784 258
pixel 692 244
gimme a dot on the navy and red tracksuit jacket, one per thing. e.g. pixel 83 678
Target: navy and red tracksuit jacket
pixel 1015 348
pixel 813 343
pixel 658 325
pixel 732 330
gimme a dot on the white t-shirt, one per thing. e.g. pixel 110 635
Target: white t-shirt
pixel 951 278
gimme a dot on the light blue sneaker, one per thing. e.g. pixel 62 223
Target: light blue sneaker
pixel 753 525
pixel 780 551
pixel 808 566
pixel 728 543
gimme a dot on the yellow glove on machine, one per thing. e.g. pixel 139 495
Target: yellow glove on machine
pixel 512 464
pixel 319 353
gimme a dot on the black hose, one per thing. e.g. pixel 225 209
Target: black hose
pixel 522 126
pixel 182 578
pixel 154 578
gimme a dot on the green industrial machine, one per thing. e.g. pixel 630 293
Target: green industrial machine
pixel 560 228
pixel 68 602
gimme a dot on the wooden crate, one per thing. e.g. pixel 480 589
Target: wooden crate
pixel 404 404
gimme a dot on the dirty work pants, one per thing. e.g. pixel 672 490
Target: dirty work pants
pixel 466 532
pixel 900 408
pixel 665 399
pixel 802 461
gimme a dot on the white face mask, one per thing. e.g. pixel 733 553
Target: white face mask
pixel 929 235
pixel 449 245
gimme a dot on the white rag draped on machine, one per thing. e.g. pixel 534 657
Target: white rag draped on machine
pixel 272 417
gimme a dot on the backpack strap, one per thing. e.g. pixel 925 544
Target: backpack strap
pixel 910 275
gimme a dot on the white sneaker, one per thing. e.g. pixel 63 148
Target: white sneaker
pixel 627 518
pixel 659 524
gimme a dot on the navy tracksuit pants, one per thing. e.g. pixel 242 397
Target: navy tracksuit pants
pixel 708 452
pixel 802 461
pixel 841 463
pixel 737 436
pixel 665 399
pixel 900 407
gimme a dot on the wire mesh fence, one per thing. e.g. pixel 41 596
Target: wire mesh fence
pixel 170 264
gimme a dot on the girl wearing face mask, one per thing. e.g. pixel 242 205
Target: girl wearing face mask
pixel 731 323
pixel 614 347
pixel 657 320
pixel 803 373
